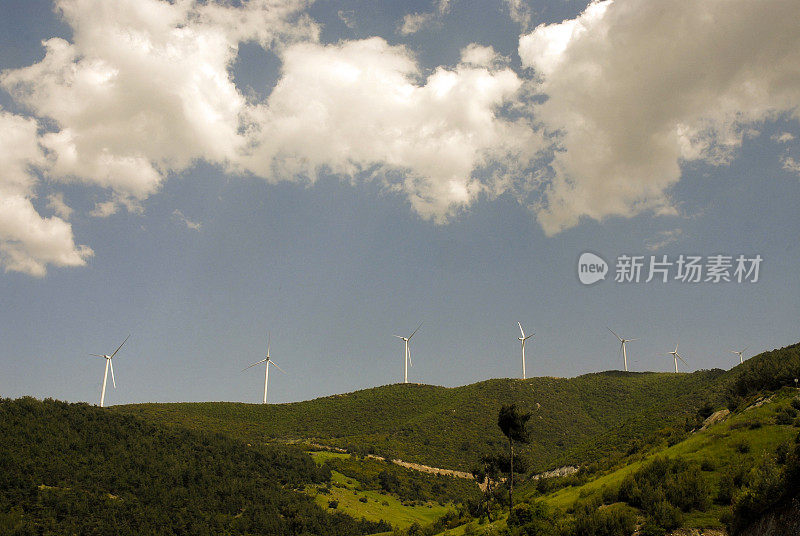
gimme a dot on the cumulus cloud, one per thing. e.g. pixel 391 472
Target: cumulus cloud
pixel 28 241
pixel 634 90
pixel 783 137
pixel 193 225
pixel 56 203
pixel 790 164
pixel 519 11
pixel 363 108
pixel 143 89
pixel 415 22
pixel 348 17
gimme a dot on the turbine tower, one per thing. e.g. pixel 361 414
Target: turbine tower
pixel 676 356
pixel 408 353
pixel 522 340
pixel 268 360
pixel 622 347
pixel 741 359
pixel 111 365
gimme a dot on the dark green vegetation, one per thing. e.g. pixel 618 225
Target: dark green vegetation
pixel 77 469
pixel 573 419
pixel 222 468
pixel 406 484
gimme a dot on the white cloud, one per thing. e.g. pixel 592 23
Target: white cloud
pixel 104 209
pixel 348 17
pixel 519 11
pixel 790 164
pixel 415 22
pixel 663 239
pixel 362 108
pixel 144 88
pixel 635 89
pixel 56 203
pixel 29 242
pixel 482 56
pixel 193 225
pixel 784 137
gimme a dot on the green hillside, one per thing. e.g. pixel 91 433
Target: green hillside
pixel 574 418
pixel 78 469
pixel 222 468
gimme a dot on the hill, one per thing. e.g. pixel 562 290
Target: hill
pixel 574 418
pixel 78 469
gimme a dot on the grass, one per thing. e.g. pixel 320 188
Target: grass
pixel 378 505
pixel 720 447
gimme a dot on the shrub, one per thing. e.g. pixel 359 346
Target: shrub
pixel 708 465
pixel 610 521
pixel 609 495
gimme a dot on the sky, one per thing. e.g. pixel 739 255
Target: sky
pixel 332 173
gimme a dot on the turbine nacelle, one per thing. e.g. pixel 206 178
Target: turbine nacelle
pixel 622 347
pixel 268 360
pixel 407 358
pixel 109 365
pixel 522 340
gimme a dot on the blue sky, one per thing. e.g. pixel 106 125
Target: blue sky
pixel 337 172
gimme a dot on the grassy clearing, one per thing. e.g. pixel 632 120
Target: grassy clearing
pixel 740 440
pixel 373 505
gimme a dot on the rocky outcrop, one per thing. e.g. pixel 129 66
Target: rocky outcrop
pixel 715 417
pixel 783 520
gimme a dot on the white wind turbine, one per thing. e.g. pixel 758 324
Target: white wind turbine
pixel 268 360
pixel 408 353
pixel 111 365
pixel 676 356
pixel 622 347
pixel 741 359
pixel 522 340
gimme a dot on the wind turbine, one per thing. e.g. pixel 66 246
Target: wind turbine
pixel 622 347
pixel 741 359
pixel 268 360
pixel 676 356
pixel 408 353
pixel 522 340
pixel 111 365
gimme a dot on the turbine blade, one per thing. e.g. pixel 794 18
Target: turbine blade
pixel 676 346
pixel 268 342
pixel 97 355
pixel 745 349
pixel 416 330
pixel 629 340
pixel 683 360
pixel 254 364
pixel 399 337
pixel 612 331
pixel 734 352
pixel 271 362
pixel 120 346
pixel 529 336
pixel 111 363
pixel 410 364
pixel 520 330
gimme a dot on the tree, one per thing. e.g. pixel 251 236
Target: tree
pixel 512 423
pixel 487 474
